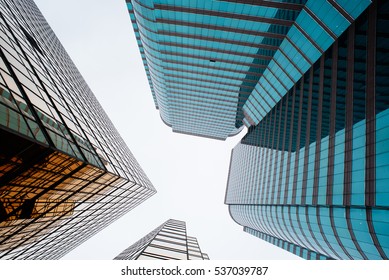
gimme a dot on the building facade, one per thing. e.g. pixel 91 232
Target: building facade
pixel 65 172
pixel 204 58
pixel 169 241
pixel 214 66
pixel 312 175
pixel 308 78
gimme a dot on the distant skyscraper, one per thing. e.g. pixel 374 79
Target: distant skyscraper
pixel 312 176
pixel 169 241
pixel 65 172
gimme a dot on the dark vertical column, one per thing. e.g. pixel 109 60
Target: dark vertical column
pixel 349 120
pixel 370 106
pixel 270 220
pixel 260 132
pixel 352 234
pixel 268 150
pixel 370 177
pixel 290 136
pixel 284 235
pixel 266 143
pixel 282 164
pixel 369 218
pixel 272 163
pixel 349 117
pixel 284 123
pixel 335 230
pixel 298 136
pixel 331 142
pixel 277 157
pixel 318 133
pixel 323 234
pixel 304 233
pixel 307 138
pixel 318 243
pixel 292 228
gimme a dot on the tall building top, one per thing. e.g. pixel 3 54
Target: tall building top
pixel 213 66
pixel 169 241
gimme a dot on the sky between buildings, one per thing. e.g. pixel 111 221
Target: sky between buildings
pixel 189 173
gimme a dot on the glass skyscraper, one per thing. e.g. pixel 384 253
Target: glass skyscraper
pixel 312 175
pixel 204 58
pixel 169 241
pixel 65 172
pixel 213 66
pixel 309 80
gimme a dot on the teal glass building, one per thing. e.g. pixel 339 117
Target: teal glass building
pixel 204 58
pixel 309 80
pixel 311 176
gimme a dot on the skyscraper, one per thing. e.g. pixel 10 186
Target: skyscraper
pixel 65 172
pixel 312 175
pixel 308 80
pixel 216 65
pixel 203 58
pixel 169 241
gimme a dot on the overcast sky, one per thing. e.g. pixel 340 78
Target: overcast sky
pixel 189 173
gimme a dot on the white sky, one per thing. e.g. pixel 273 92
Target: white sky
pixel 189 173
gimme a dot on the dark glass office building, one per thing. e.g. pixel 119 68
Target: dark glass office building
pixel 65 172
pixel 312 176
pixel 169 241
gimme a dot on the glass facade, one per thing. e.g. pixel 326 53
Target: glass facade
pixel 204 58
pixel 214 66
pixel 318 25
pixel 65 172
pixel 309 79
pixel 290 247
pixel 312 175
pixel 169 241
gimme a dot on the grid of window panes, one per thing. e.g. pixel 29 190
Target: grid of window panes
pixel 194 252
pixel 318 25
pixel 167 242
pixel 314 172
pixel 136 249
pixel 65 172
pixel 204 58
pixel 293 248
